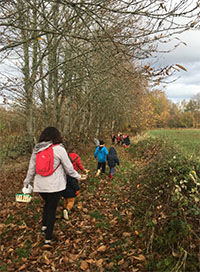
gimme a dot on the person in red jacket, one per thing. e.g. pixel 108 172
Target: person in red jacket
pixel 72 188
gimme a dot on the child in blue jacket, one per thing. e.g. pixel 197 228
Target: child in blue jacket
pixel 101 153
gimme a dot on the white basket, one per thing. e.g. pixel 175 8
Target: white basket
pixel 23 197
pixel 84 177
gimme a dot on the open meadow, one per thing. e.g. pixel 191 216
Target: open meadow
pixel 187 140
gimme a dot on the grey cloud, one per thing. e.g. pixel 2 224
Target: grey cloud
pixel 187 84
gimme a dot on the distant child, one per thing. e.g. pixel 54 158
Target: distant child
pixel 118 139
pixel 113 138
pixel 96 142
pixel 101 153
pixel 112 161
pixel 126 141
pixel 72 188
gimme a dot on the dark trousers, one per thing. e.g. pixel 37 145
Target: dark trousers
pixel 49 212
pixel 112 170
pixel 102 166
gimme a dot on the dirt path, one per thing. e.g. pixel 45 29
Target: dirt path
pixel 101 234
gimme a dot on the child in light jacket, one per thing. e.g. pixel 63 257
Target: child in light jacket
pixel 112 161
pixel 101 153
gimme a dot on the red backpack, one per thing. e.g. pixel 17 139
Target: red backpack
pixel 44 162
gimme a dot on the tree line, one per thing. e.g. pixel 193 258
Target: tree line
pixel 84 66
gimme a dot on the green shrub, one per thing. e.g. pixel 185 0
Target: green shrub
pixel 14 146
pixel 168 197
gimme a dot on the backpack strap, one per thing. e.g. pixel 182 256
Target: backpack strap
pixel 74 159
pixel 59 163
pixel 56 167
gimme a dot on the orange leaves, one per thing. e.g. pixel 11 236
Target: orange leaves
pixel 46 260
pixel 140 257
pixel 22 267
pixel 169 70
pixel 99 263
pixel 101 248
pixel 136 232
pixel 84 265
pixel 121 262
pixel 181 67
pixel 40 39
pixel 126 234
pixel 97 241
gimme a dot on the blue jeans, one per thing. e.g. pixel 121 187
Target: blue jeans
pixel 112 170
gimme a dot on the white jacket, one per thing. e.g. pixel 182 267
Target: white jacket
pixel 57 181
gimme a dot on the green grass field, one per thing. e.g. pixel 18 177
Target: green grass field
pixel 187 140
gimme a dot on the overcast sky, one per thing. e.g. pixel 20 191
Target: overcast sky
pixel 187 83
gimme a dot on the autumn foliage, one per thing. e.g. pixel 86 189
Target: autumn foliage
pixel 145 219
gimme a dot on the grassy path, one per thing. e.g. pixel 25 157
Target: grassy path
pixel 101 235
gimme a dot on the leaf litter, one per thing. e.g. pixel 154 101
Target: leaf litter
pixel 98 237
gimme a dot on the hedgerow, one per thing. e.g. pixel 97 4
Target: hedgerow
pixel 168 200
pixel 14 146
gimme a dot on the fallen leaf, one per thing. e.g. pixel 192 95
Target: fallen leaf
pixel 47 261
pixel 36 244
pixel 131 252
pixel 99 262
pixel 65 260
pixel 67 241
pixel 73 257
pixel 79 205
pixel 90 261
pixel 121 262
pixel 53 268
pixel 84 265
pixel 126 234
pixel 22 267
pixel 92 255
pixel 10 250
pixel 110 265
pixel 101 248
pixel 139 257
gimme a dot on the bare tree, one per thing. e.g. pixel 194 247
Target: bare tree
pixel 74 51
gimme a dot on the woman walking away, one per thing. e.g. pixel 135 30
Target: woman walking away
pixel 101 153
pixel 48 167
pixel 112 161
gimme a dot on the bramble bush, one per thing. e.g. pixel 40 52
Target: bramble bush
pixel 168 195
pixel 14 146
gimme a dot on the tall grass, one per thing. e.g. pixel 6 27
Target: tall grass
pixel 187 140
